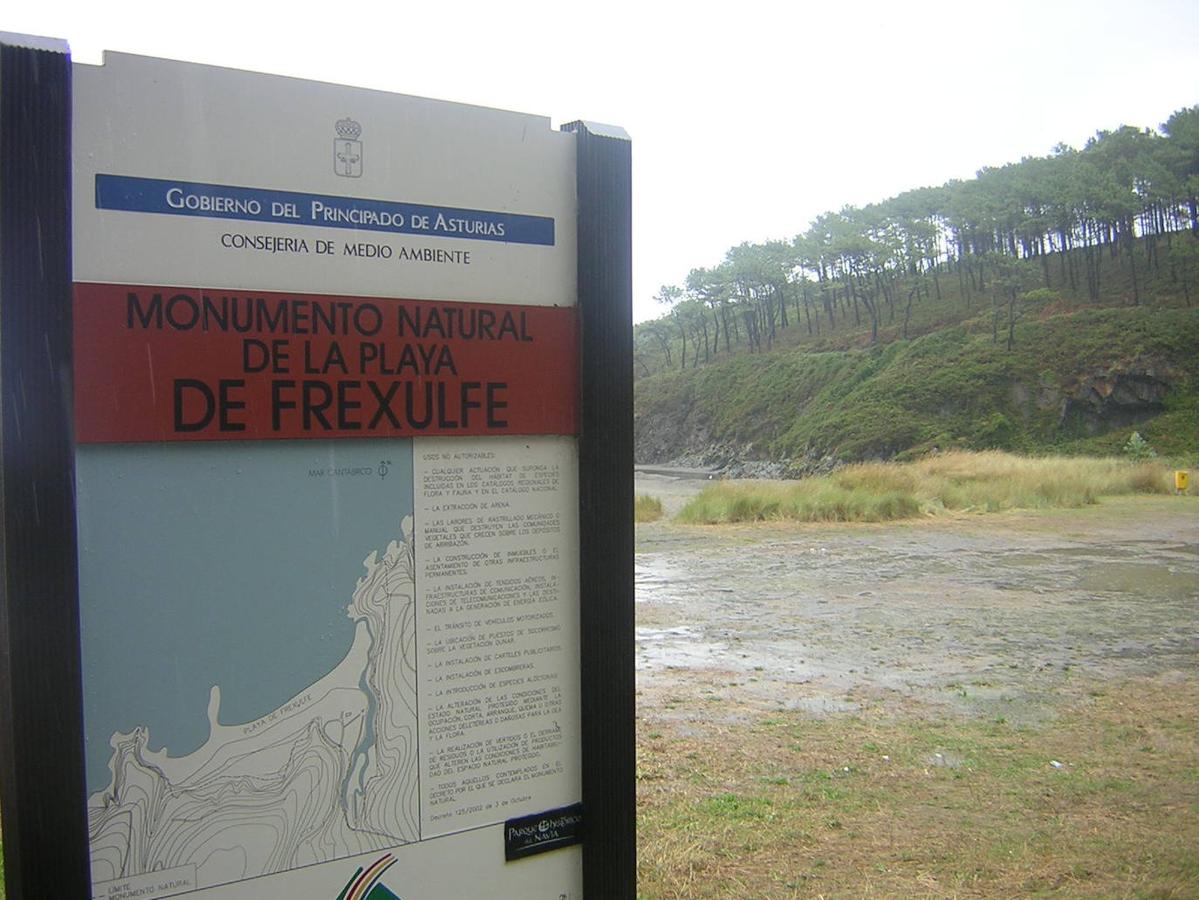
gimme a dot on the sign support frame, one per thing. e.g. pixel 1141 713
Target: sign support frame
pixel 41 741
pixel 606 533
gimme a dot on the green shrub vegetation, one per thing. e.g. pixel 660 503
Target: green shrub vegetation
pixel 961 481
pixel 1138 448
pixel 953 388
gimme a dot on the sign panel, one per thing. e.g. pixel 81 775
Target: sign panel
pixel 326 399
pixel 159 363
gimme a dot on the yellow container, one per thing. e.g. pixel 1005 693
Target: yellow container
pixel 1182 480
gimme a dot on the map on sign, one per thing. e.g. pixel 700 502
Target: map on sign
pixel 249 658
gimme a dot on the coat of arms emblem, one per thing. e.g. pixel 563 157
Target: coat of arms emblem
pixel 347 149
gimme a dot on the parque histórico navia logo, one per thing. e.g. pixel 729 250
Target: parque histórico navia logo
pixel 364 884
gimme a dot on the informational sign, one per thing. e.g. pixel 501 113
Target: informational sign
pixel 326 404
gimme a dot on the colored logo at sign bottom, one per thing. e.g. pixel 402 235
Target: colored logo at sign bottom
pixel 364 884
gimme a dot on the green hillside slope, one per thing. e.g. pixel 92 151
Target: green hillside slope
pixel 1074 381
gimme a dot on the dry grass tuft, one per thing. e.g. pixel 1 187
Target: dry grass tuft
pixel 958 481
pixel 647 509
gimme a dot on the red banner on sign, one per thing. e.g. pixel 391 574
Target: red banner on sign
pixel 188 364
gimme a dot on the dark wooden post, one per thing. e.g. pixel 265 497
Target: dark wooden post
pixel 41 729
pixel 606 510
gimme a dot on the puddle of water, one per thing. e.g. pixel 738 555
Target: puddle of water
pixel 1144 579
pixel 692 655
pixel 655 581
pixel 677 648
pixel 661 634
pixel 1029 560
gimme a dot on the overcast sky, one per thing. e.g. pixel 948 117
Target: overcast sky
pixel 748 118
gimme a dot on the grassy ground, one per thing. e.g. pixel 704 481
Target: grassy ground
pixel 880 492
pixel 1102 802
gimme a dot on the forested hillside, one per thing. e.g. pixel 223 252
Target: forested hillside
pixel 1047 304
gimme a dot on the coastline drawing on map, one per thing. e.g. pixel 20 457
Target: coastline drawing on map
pixel 330 772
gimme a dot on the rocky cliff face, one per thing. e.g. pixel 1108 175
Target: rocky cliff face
pixel 1099 401
pixel 665 435
pixel 681 437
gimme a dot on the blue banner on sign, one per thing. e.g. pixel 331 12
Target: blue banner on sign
pixel 220 201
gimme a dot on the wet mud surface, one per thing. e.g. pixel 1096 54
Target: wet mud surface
pixel 1009 615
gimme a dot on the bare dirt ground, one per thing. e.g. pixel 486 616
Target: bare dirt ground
pixel 995 613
